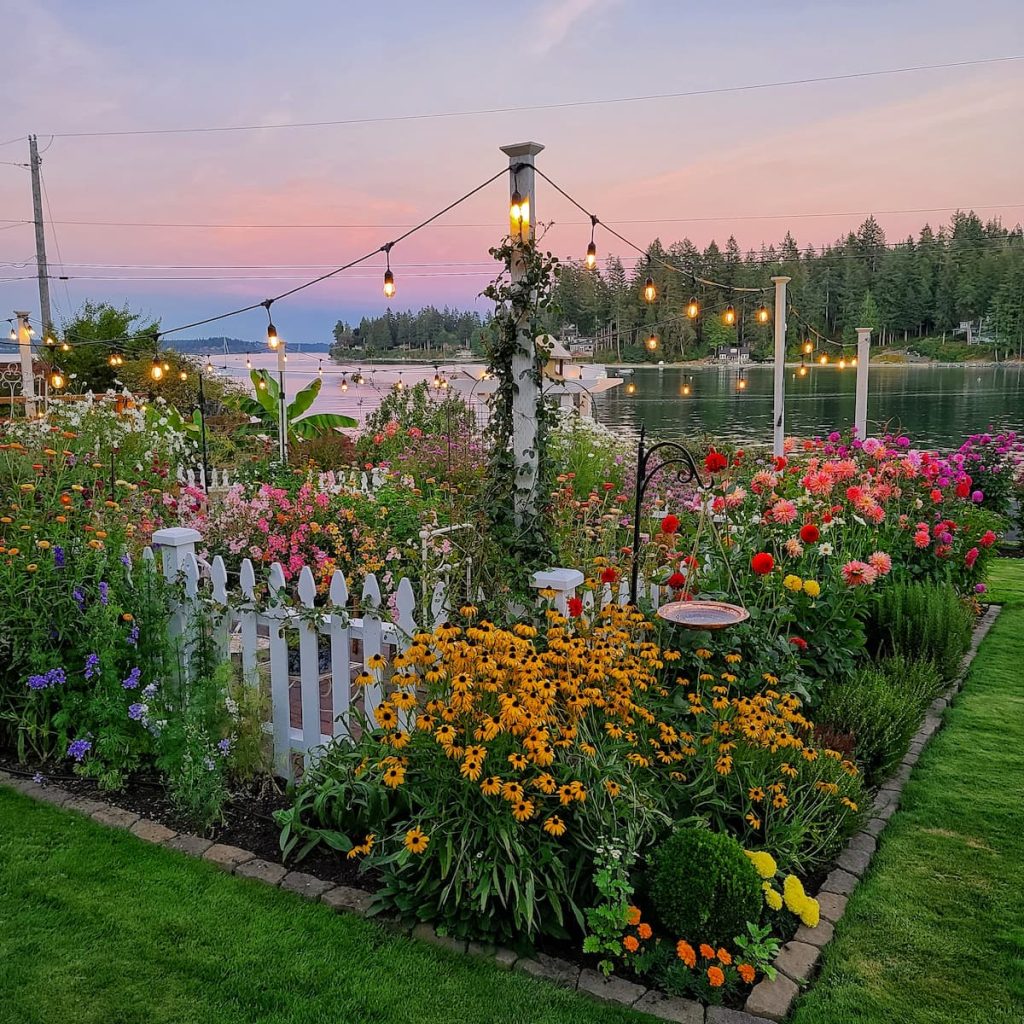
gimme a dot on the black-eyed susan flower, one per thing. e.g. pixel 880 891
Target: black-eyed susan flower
pixel 416 841
pixel 554 826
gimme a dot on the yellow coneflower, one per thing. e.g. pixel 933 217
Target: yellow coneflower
pixel 415 841
pixel 394 776
pixel 554 826
pixel 491 786
pixel 522 810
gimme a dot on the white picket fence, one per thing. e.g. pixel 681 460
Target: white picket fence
pixel 310 708
pixel 369 482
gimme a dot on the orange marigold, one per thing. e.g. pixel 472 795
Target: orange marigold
pixel 685 953
pixel 747 973
pixel 706 951
pixel 724 957
pixel 644 931
pixel 716 979
pixel 633 916
pixel 630 943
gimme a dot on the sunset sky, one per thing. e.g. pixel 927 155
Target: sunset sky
pixel 749 163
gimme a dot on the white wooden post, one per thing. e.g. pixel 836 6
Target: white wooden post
pixel 860 416
pixel 279 696
pixel 176 545
pixel 28 383
pixel 247 623
pixel 562 581
pixel 341 654
pixel 524 403
pixel 309 668
pixel 373 694
pixel 779 403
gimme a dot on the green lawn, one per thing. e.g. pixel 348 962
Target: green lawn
pixel 97 926
pixel 936 933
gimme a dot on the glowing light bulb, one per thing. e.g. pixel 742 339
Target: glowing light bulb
pixel 344 383
pixel 842 364
pixel 389 284
pixel 156 370
pixel 209 366
pixel 248 363
pixel 741 384
pixel 630 388
pixel 729 316
pixel 693 309
pixel 65 347
pixel 802 371
pixel 853 361
pixel 591 256
pixel 686 389
pixel 358 378
pixel 273 341
pixel 650 292
pixel 808 347
pixel 652 343
pixel 31 331
pixel 112 361
pixel 763 316
pixel 49 342
pixel 57 380
pixel 182 375
pixel 823 359
pixel 515 212
pixel 262 385
pixel 14 334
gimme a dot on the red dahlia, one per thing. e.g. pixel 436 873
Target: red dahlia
pixel 762 563
pixel 809 533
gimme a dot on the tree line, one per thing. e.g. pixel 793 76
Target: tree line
pixel 429 330
pixel 920 287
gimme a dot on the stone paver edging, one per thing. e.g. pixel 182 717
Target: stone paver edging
pixel 768 1001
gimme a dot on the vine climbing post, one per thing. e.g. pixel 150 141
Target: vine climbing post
pixel 779 404
pixel 522 217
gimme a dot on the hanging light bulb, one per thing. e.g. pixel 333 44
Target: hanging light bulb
pixel 762 315
pixel 437 380
pixel 49 342
pixel 156 370
pixel 358 378
pixel 248 363
pixel 344 383
pixel 14 334
pixel 592 248
pixel 262 384
pixel 208 367
pixel 650 292
pixel 693 309
pixel 167 367
pixel 320 369
pixel 65 347
pixel 273 341
pixel 515 210
pixel 31 331
pixel 741 384
pixel 630 388
pixel 182 375
pixel 112 361
pixel 652 343
pixel 729 316
pixel 389 278
pixel 808 347
pixel 842 363
pixel 853 360
pixel 803 369
pixel 823 359
pixel 685 390
pixel 57 380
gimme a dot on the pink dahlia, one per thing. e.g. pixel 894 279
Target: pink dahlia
pixel 881 563
pixel 859 574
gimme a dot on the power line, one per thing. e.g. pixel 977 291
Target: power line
pixel 13 222
pixel 687 94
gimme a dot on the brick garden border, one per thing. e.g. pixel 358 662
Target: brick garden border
pixel 769 1001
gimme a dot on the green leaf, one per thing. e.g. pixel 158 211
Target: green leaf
pixel 304 399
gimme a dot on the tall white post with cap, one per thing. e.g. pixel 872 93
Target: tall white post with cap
pixel 779 403
pixel 527 389
pixel 860 408
pixel 28 383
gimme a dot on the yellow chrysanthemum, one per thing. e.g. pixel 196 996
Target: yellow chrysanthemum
pixel 812 588
pixel 793 582
pixel 763 862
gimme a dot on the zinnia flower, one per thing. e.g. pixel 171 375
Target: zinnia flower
pixel 575 606
pixel 880 562
pixel 670 524
pixel 715 461
pixel 971 557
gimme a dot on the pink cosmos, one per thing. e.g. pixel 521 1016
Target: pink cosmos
pixel 859 574
pixel 880 562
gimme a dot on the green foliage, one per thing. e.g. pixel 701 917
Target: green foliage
pixel 703 887
pixel 880 708
pixel 607 919
pixel 428 330
pixel 925 621
pixel 265 408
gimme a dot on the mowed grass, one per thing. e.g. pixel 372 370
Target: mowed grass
pixel 97 926
pixel 936 933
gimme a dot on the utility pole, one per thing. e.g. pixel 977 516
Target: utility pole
pixel 37 214
pixel 779 403
pixel 522 187
pixel 28 383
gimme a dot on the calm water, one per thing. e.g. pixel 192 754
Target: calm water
pixel 933 405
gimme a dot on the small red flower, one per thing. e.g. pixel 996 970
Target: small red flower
pixel 987 539
pixel 780 463
pixel 575 607
pixel 676 580
pixel 809 533
pixel 798 642
pixel 715 461
pixel 609 575
pixel 670 524
pixel 936 495
pixel 762 563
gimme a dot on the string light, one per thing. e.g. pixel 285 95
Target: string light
pixel 437 380
pixel 842 363
pixel 344 383
pixel 823 359
pixel 741 384
pixel 389 278
pixel 853 361
pixel 49 342
pixel 803 369
pixel 762 315
pixel 652 343
pixel 273 341
pixel 808 347
pixel 14 334
pixel 57 380
pixel 116 359
pixel 592 248
pixel 320 369
pixel 685 390
pixel 167 367
pixel 630 388
pixel 693 309
pixel 650 292
pixel 65 347
pixel 729 316
pixel 31 331
pixel 358 378
pixel 248 362
pixel 262 384
pixel 209 366
pixel 156 370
